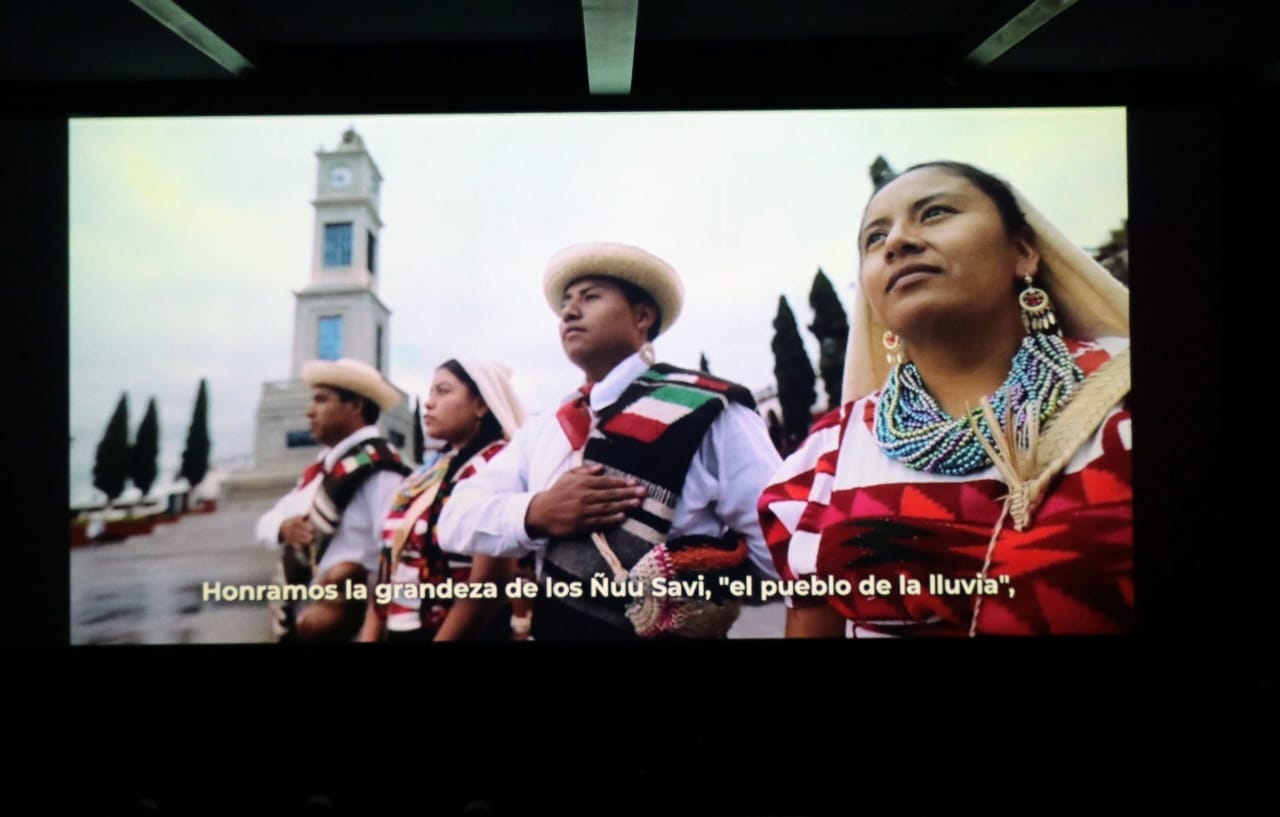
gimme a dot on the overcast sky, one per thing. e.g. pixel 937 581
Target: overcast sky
pixel 188 236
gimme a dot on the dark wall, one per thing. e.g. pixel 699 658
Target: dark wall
pixel 749 728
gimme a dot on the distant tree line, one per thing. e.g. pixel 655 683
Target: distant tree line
pixel 797 382
pixel 118 461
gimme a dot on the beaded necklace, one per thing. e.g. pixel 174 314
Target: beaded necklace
pixel 913 429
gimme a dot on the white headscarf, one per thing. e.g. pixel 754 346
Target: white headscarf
pixel 1088 301
pixel 493 379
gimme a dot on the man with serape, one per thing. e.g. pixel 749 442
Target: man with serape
pixel 645 467
pixel 330 523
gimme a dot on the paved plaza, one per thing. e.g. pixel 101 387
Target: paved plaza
pixel 147 589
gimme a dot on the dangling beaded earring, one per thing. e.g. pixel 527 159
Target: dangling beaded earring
pixel 893 349
pixel 648 355
pixel 1037 311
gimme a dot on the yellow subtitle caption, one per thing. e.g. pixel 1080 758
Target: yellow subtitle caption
pixel 603 586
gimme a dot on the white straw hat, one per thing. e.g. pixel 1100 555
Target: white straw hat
pixel 352 375
pixel 623 261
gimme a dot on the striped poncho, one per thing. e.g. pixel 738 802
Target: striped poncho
pixel 421 559
pixel 650 433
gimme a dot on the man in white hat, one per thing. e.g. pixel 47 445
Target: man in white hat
pixel 328 527
pixel 642 455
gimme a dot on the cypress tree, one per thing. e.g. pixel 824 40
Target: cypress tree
pixel 1114 255
pixel 145 450
pixel 195 457
pixel 111 465
pixel 419 440
pixel 831 327
pixel 794 373
pixel 776 432
pixel 881 173
pixel 703 365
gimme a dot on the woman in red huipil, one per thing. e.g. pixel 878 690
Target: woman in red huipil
pixel 981 460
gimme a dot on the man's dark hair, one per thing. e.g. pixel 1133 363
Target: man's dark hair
pixel 637 296
pixel 369 410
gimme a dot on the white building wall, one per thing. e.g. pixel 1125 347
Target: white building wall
pixel 362 219
pixel 362 313
pixel 348 292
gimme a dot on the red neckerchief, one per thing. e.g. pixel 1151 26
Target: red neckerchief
pixel 575 417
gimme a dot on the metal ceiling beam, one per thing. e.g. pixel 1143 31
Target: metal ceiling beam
pixel 197 34
pixel 1016 30
pixel 610 30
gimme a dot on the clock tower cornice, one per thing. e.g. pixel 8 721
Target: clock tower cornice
pixel 351 200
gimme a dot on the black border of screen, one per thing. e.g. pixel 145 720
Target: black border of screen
pixel 760 715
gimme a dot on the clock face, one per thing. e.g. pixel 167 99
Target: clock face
pixel 340 176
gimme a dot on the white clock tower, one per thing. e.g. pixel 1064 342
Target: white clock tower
pixel 337 314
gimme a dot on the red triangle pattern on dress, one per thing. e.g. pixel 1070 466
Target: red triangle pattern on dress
pixel 798 488
pixel 1120 536
pixel 828 420
pixel 916 504
pixel 1125 585
pixel 1101 487
pixel 1116 449
pixel 925 606
pixel 869 503
pixel 997 618
pixel 1088 356
pixel 1017 562
pixel 980 502
pixel 1067 615
pixel 1066 497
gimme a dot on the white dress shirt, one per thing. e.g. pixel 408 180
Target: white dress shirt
pixel 485 514
pixel 358 537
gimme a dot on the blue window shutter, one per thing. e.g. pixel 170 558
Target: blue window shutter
pixel 337 245
pixel 329 336
pixel 298 439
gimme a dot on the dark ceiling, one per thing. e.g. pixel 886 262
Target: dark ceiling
pixel 354 55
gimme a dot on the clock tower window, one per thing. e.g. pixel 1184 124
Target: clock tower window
pixel 298 439
pixel 337 244
pixel 329 338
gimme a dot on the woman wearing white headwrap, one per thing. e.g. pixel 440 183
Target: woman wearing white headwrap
pixel 977 477
pixel 473 408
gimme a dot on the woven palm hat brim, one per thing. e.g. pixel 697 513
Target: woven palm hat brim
pixel 622 261
pixel 352 375
pixel 1088 301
